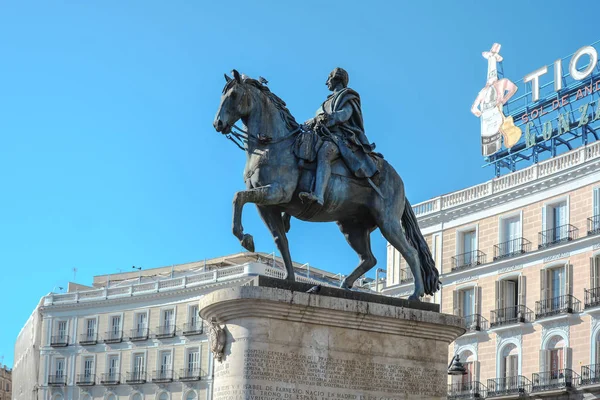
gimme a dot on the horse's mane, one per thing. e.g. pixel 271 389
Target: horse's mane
pixel 289 119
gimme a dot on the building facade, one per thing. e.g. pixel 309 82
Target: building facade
pixel 519 258
pixel 134 335
pixel 5 383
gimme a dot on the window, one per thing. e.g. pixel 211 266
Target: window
pixel 61 330
pixel 555 223
pixel 59 367
pixel 113 367
pixel 595 272
pixel 136 396
pixel 510 301
pixel 509 363
pixel 90 328
pixel 553 359
pixel 111 397
pixel 555 290
pixel 138 369
pixel 466 305
pixel 194 317
pixel 468 246
pixel 165 365
pixel 163 396
pixel 88 367
pixel 115 325
pixel 193 362
pixel 511 242
pixel 191 396
pixel 141 320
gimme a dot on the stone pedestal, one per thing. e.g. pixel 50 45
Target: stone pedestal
pixel 284 343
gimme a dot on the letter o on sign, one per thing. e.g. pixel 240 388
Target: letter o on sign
pixel 579 75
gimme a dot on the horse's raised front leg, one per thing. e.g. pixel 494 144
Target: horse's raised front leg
pixel 264 195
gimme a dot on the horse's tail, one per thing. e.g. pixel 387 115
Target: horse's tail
pixel 431 276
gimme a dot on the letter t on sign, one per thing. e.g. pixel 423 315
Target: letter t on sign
pixel 534 78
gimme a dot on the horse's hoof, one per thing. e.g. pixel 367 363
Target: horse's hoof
pixel 248 242
pixel 345 284
pixel 414 297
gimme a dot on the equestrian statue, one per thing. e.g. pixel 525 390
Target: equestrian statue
pixel 321 171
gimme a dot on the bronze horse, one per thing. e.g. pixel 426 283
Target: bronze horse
pixel 274 176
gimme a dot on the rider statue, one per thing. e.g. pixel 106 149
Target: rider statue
pixel 339 122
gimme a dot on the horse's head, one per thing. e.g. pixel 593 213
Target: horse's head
pixel 235 103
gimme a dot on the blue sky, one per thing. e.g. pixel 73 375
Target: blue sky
pixel 108 157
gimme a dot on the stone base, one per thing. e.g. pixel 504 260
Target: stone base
pixel 288 344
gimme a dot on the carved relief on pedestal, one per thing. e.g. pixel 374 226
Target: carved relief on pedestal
pixel 217 338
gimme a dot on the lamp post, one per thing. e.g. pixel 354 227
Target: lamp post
pixel 140 276
pixel 456 367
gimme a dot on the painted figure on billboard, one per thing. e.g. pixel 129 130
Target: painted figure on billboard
pixel 488 107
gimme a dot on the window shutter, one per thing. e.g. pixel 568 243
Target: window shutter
pixel 544 239
pixel 593 272
pixel 497 296
pixel 521 283
pixel 476 299
pixel 568 278
pixel 543 360
pixel 596 201
pixel 455 301
pixel 543 284
pixel 476 371
pixel 567 357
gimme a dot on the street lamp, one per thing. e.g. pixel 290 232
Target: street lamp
pixel 456 367
pixel 139 269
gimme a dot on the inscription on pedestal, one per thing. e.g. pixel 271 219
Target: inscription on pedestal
pixel 272 375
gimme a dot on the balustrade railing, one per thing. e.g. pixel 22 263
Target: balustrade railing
pixel 466 390
pixel 590 374
pixel 475 322
pixel 86 379
pixel 86 339
pixel 511 385
pixel 593 225
pixel 113 336
pixel 193 328
pixel 138 334
pixel 556 235
pixel 164 375
pixel 557 305
pixel 552 380
pixel 517 314
pixel 190 374
pixel 110 378
pixel 511 248
pixel 468 260
pixel 57 380
pixel 136 377
pixel 165 331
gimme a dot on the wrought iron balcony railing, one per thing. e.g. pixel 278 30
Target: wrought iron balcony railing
pixel 165 375
pixel 518 314
pixel 511 248
pixel 559 234
pixel 466 390
pixel 86 339
pixel 592 297
pixel 59 341
pixel 165 331
pixel 553 380
pixel 475 322
pixel 113 337
pixel 57 380
pixel 468 260
pixel 193 328
pixel 111 378
pixel 138 334
pixel 566 304
pixel 593 225
pixel 136 377
pixel 590 374
pixel 86 379
pixel 512 385
pixel 190 374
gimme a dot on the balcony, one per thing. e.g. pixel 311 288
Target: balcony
pixel 59 341
pixel 554 380
pixel 88 339
pixel 193 328
pixel 593 225
pixel 86 380
pixel 475 322
pixel 509 386
pixel 406 276
pixel 557 235
pixel 189 374
pixel 164 375
pixel 511 248
pixel 57 380
pixel 590 374
pixel 113 337
pixel 136 377
pixel 138 334
pixel 111 378
pixel 592 298
pixel 565 304
pixel 165 331
pixel 466 390
pixel 467 260
pixel 518 314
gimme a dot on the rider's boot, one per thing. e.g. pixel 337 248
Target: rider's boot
pixel 323 175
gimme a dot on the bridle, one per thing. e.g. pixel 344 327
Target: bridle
pixel 240 137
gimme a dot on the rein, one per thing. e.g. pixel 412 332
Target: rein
pixel 241 137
